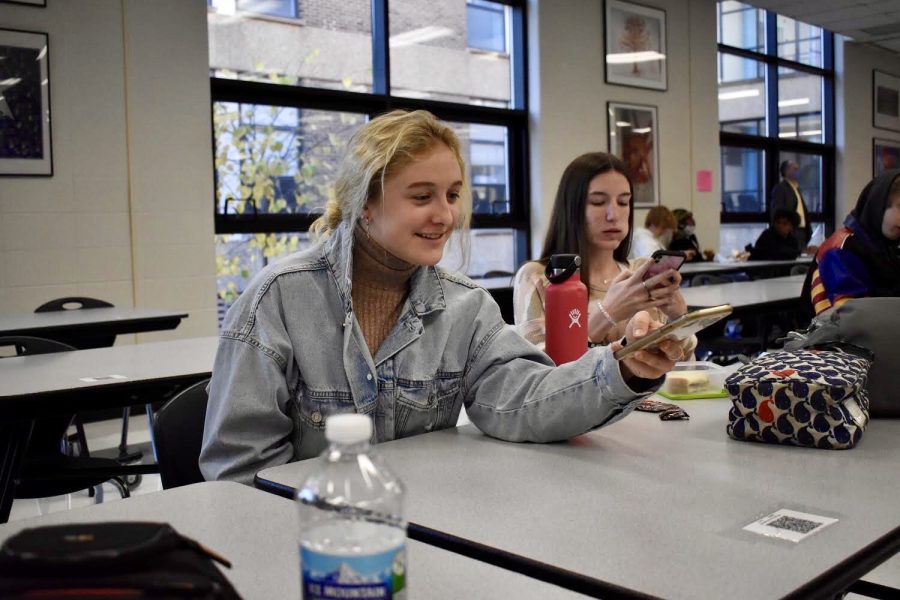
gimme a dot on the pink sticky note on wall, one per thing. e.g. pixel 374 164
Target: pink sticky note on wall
pixel 704 181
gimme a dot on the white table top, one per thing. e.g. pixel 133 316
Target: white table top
pixel 11 324
pixel 737 265
pixel 257 532
pixel 650 505
pixel 98 367
pixel 742 294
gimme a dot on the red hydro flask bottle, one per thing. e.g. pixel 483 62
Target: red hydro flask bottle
pixel 565 309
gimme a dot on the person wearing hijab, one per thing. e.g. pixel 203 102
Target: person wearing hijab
pixel 861 259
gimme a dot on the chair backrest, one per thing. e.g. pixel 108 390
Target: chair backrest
pixel 71 303
pixel 178 436
pixel 26 345
pixel 79 339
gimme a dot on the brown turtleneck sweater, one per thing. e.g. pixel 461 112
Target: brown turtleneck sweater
pixel 380 287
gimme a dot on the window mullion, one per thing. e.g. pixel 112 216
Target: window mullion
pixel 381 60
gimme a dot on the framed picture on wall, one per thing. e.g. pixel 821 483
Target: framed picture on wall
pixel 24 104
pixel 633 137
pixel 886 155
pixel 635 45
pixel 26 2
pixel 885 100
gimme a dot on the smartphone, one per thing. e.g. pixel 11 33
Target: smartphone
pixel 663 260
pixel 681 328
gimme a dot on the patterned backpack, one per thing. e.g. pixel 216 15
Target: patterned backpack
pixel 813 398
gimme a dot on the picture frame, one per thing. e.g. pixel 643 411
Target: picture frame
pixel 885 155
pixel 634 137
pixel 635 45
pixel 885 100
pixel 40 3
pixel 25 136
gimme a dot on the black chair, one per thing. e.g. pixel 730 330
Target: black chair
pixel 47 470
pixel 78 303
pixel 178 436
pixel 94 341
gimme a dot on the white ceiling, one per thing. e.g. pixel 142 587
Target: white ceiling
pixel 874 22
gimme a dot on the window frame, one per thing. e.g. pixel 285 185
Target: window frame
pixel 769 142
pixel 514 120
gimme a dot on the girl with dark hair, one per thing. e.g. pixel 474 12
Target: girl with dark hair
pixel 861 259
pixel 593 216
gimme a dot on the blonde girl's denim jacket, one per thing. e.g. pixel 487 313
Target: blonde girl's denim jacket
pixel 292 352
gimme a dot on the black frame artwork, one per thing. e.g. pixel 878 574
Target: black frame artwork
pixel 635 45
pixel 25 136
pixel 885 155
pixel 885 100
pixel 634 137
pixel 37 3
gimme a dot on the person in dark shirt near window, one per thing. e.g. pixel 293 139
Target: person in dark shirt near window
pixel 778 242
pixel 685 240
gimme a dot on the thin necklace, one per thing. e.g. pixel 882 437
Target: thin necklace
pixel 605 282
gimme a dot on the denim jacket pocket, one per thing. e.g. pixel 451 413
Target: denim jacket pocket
pixel 310 409
pixel 426 405
pixel 314 406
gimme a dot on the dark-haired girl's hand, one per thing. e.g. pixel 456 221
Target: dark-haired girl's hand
pixel 667 287
pixel 629 293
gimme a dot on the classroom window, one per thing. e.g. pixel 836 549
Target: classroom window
pixel 742 95
pixel 291 81
pixel 429 45
pixel 742 182
pixel 331 48
pixel 486 26
pixel 742 26
pixel 273 8
pixel 799 42
pixel 274 160
pixel 776 82
pixel 800 103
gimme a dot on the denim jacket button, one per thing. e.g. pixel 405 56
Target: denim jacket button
pixel 316 416
pixel 368 377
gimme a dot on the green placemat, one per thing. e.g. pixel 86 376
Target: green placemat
pixel 700 396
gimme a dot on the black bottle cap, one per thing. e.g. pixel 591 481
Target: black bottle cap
pixel 562 266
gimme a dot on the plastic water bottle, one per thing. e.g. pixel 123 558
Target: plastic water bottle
pixel 352 532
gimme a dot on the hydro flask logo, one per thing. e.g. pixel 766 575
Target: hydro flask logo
pixel 574 317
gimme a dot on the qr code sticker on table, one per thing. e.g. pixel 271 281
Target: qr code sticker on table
pixel 789 525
